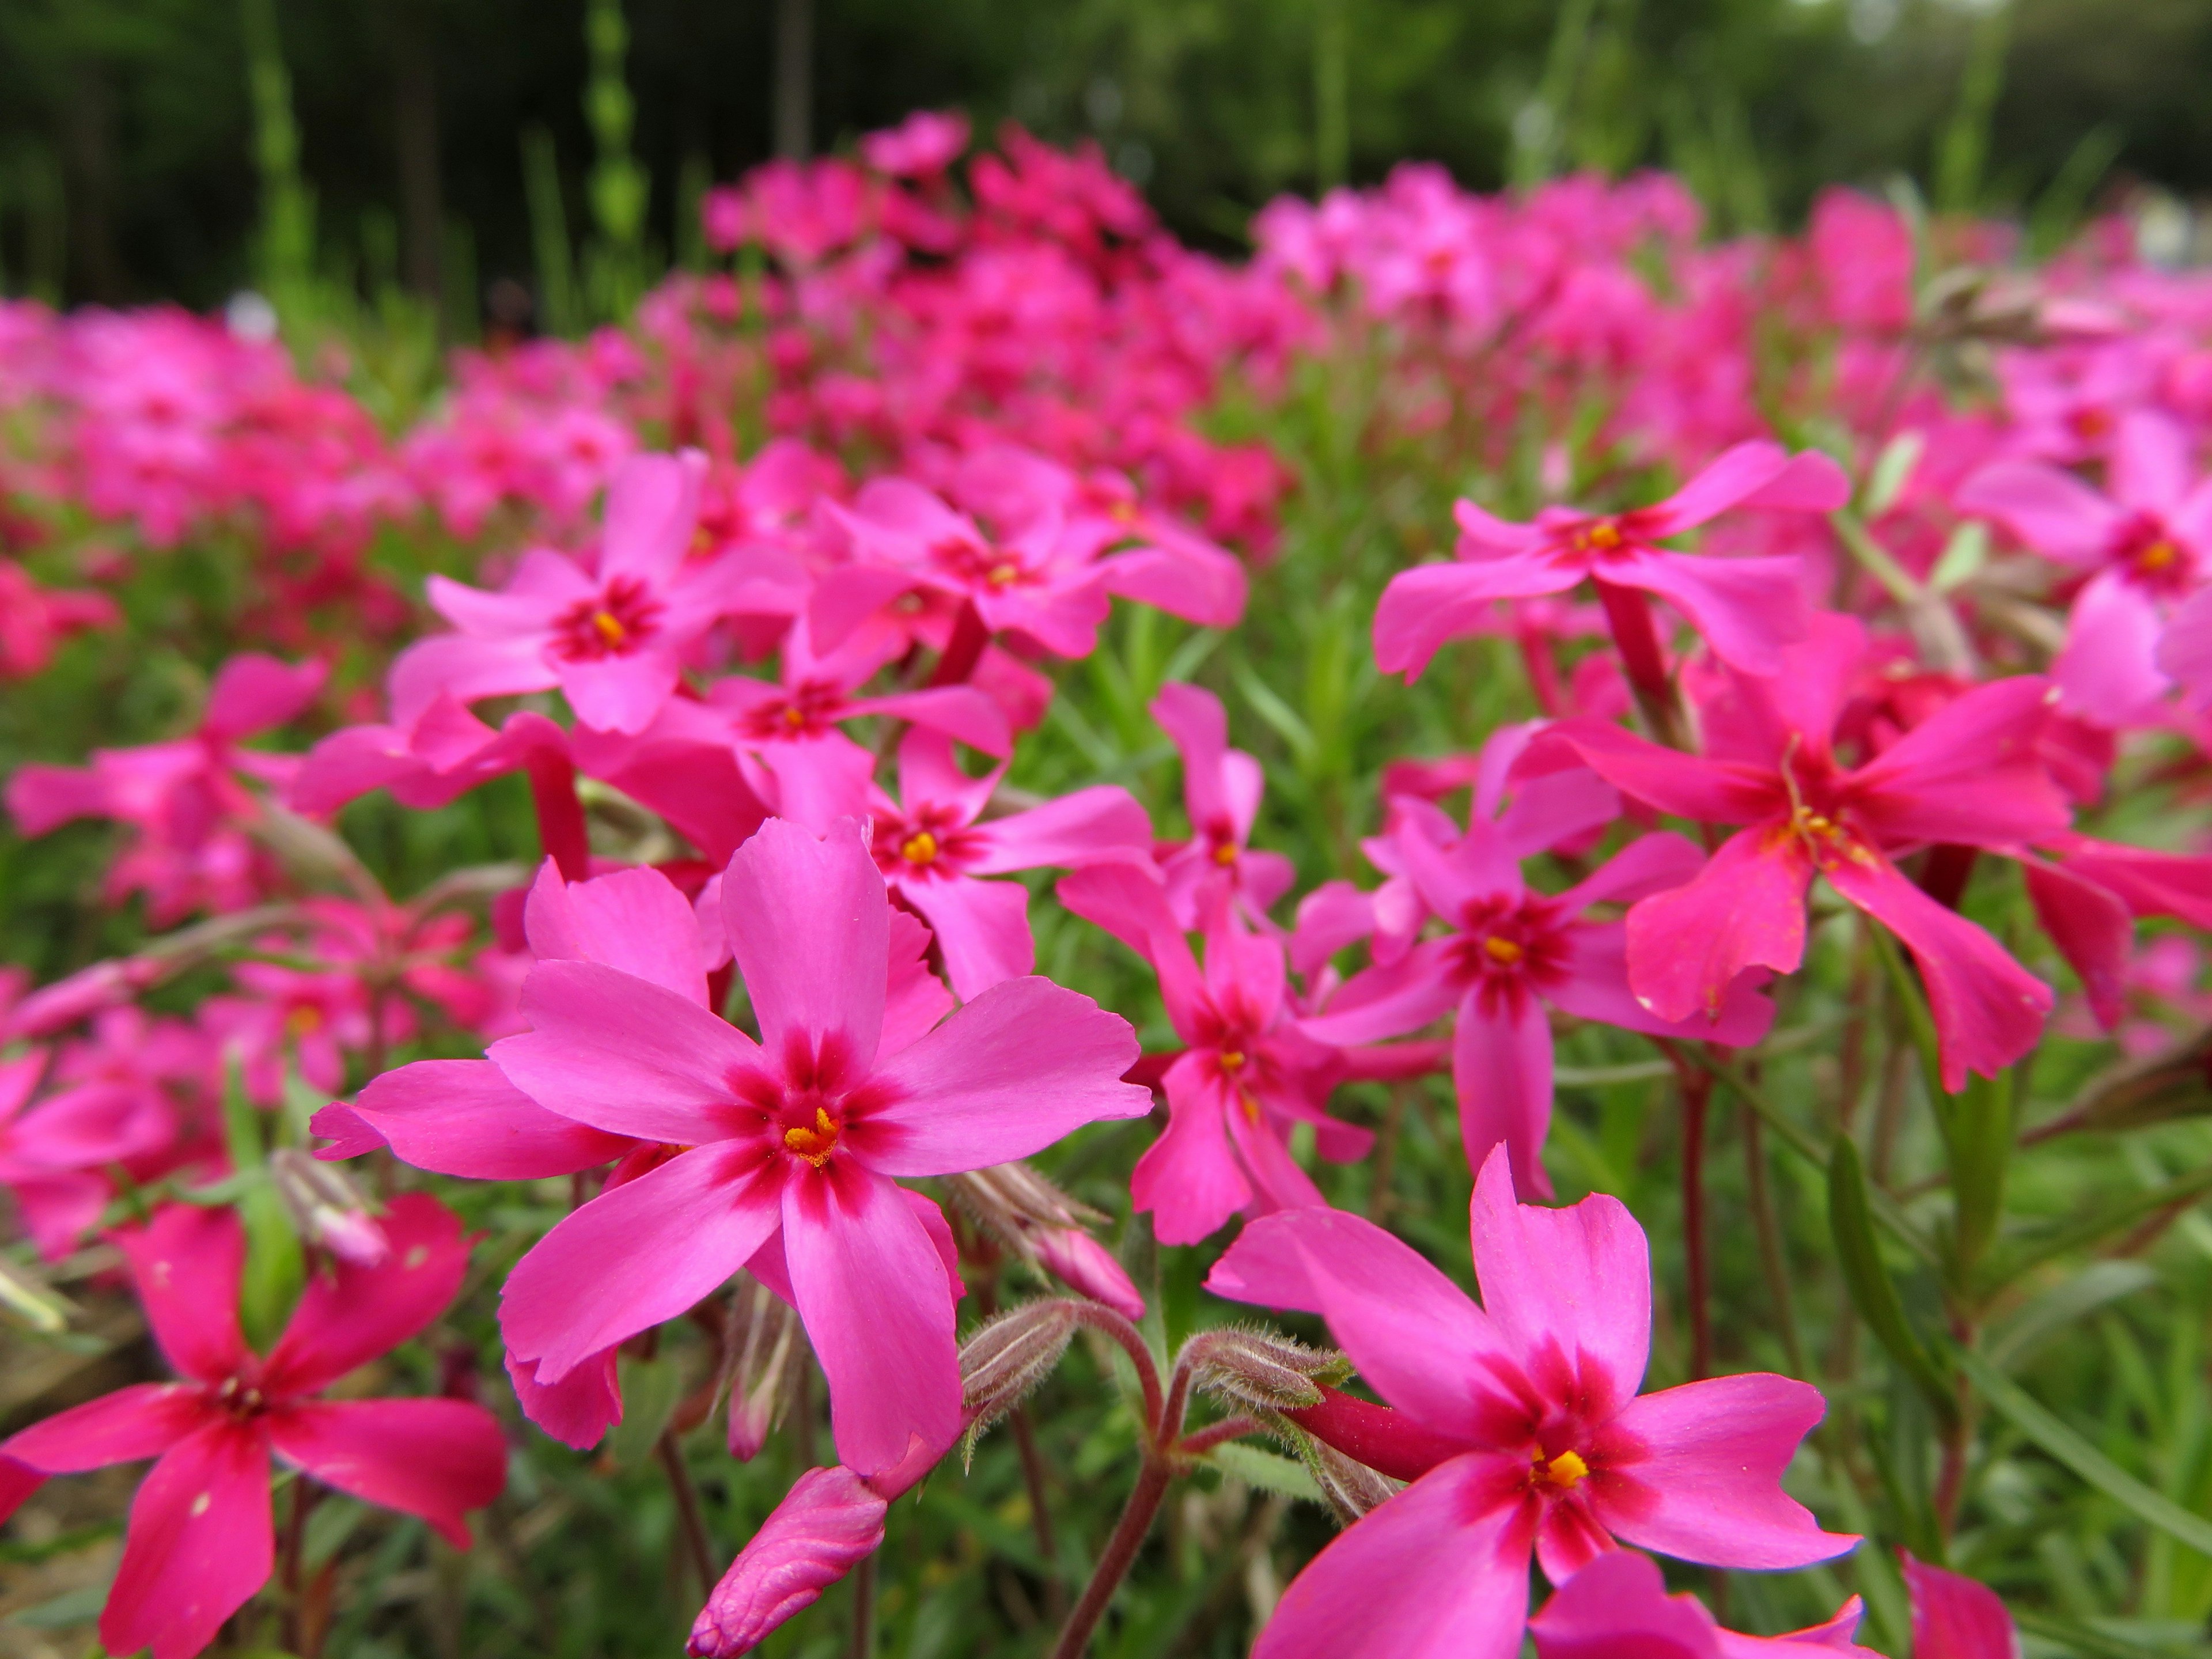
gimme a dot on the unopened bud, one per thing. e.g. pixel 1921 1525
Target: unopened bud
pixel 759 1341
pixel 1351 1488
pixel 326 1209
pixel 1263 1371
pixel 1036 1221
pixel 828 1523
pixel 29 1302
pixel 1001 1363
pixel 1082 1263
pixel 2175 1084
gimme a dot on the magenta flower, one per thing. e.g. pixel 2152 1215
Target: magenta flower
pixel 1955 1617
pixel 200 1541
pixel 1747 608
pixel 1617 1607
pixel 798 1138
pixel 2143 547
pixel 1969 775
pixel 1221 792
pixel 612 636
pixel 1534 1394
pixel 931 848
pixel 1511 954
pixel 1247 1074
pixel 829 1522
pixel 54 1158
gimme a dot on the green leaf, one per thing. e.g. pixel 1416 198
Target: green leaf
pixel 1893 471
pixel 2078 1233
pixel 650 1390
pixel 1851 1221
pixel 2064 1305
pixel 2064 1446
pixel 1268 1471
pixel 1964 555
pixel 2083 1639
pixel 1977 1133
pixel 275 1265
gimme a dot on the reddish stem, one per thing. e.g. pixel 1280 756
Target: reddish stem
pixel 1386 1441
pixel 559 814
pixel 963 649
pixel 1643 659
pixel 1697 1094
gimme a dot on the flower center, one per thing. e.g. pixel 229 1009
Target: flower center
pixel 921 848
pixel 1231 1059
pixel 623 617
pixel 1004 575
pixel 813 1143
pixel 1225 853
pixel 1600 536
pixel 610 630
pixel 1502 951
pixel 240 1399
pixel 1563 1472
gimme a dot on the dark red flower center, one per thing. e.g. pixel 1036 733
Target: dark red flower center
pixel 931 842
pixel 1510 948
pixel 616 623
pixel 2149 554
pixel 976 565
pixel 808 708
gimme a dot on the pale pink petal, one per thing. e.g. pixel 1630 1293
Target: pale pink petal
pixel 348 1316
pixel 957 711
pixel 465 668
pixel 1747 610
pixel 1568 1287
pixel 811 781
pixel 627 1057
pixel 1334 915
pixel 2185 653
pixel 1440 1572
pixel 253 693
pixel 636 1254
pixel 1024 1065
pixel 1197 725
pixel 1708 1488
pixel 632 920
pixel 462 1117
pixel 143 1421
pixel 1955 1618
pixel 622 693
pixel 185 1264
pixel 434 1458
pixel 1190 1180
pixel 1746 909
pixel 1989 1010
pixel 827 1524
pixel 1423 608
pixel 42 798
pixel 1729 479
pixel 870 1287
pixel 199 1544
pixel 2149 467
pixel 848 595
pixel 2053 511
pixel 1481 529
pixel 807 919
pixel 652 510
pixel 1183 577
pixel 1502 1071
pixel 2109 670
pixel 1103 822
pixel 1811 483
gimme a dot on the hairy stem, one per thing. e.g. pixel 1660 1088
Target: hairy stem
pixel 1026 1443
pixel 691 1523
pixel 1697 1095
pixel 1114 1566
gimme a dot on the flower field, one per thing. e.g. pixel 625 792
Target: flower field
pixel 994 938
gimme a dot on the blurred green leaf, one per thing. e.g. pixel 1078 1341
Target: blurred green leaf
pixel 1872 1291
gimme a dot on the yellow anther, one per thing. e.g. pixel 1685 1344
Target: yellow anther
pixel 1605 535
pixel 1126 512
pixel 1251 1106
pixel 1502 951
pixel 1004 575
pixel 921 848
pixel 1225 853
pixel 605 625
pixel 303 1020
pixel 1565 1470
pixel 793 718
pixel 2157 557
pixel 814 1144
pixel 1231 1059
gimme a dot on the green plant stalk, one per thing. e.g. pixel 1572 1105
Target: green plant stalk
pixel 1850 1220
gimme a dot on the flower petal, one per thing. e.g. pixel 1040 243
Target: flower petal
pixel 807 919
pixel 1501 1072
pixel 349 1316
pixel 632 920
pixel 1746 909
pixel 143 1421
pixel 185 1264
pixel 827 1524
pixel 1423 607
pixel 199 1544
pixel 434 1458
pixel 462 1117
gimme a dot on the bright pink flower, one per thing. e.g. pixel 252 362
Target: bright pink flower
pixel 304 1017
pixel 200 1541
pixel 829 1522
pixel 931 848
pixel 798 1138
pixel 33 620
pixel 927 143
pixel 1747 608
pixel 1618 1608
pixel 1969 775
pixel 184 798
pixel 1534 1397
pixel 1513 953
pixel 1247 1074
pixel 613 637
pixel 1221 792
pixel 1954 1617
pixel 54 1158
pixel 2143 547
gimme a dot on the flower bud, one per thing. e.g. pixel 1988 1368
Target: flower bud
pixel 1351 1488
pixel 758 1342
pixel 1002 1362
pixel 325 1208
pixel 1263 1371
pixel 1036 1221
pixel 827 1522
pixel 1083 1264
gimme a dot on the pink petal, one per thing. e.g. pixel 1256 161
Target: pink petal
pixel 2053 511
pixel 1024 1065
pixel 930 775
pixel 1413 1335
pixel 185 1264
pixel 1423 608
pixel 1617 1607
pixel 627 1057
pixel 1731 479
pixel 1570 1286
pixel 199 1544
pixel 1653 863
pixel 1390 1000
pixel 636 1254
pixel 2149 467
pixel 1688 786
pixel 1597 988
pixel 652 510
pixel 42 798
pixel 1970 773
pixel 1955 1618
pixel 253 693
pixel 632 920
pixel 871 1288
pixel 1190 1180
pixel 620 693
pixel 2091 929
pixel 1184 577
pixel 1746 909
pixel 143 1421
pixel 465 668
pixel 580 1408
pixel 18 1483
pixel 1197 725
pixel 1278 1181
pixel 1747 610
pixel 1481 529
pixel 462 1117
pixel 1709 1486
pixel 982 927
pixel 806 920
pixel 1811 483
pixel 434 1458
pixel 1440 1572
pixel 2109 670
pixel 914 999
pixel 827 1524
pixel 1989 1010
pixel 1501 1072
pixel 1102 821
pixel 351 1316
pixel 957 711
pixel 2185 653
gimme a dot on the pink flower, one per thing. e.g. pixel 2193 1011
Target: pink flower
pixel 931 848
pixel 797 1140
pixel 54 1158
pixel 829 1522
pixel 1970 774
pixel 1954 1617
pixel 1618 1606
pixel 1247 1074
pixel 34 620
pixel 1747 608
pixel 1513 953
pixel 613 637
pixel 200 1542
pixel 1221 791
pixel 2143 548
pixel 1533 1394
pixel 927 143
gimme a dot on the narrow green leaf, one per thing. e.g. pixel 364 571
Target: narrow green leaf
pixel 275 1265
pixel 1270 708
pixel 2064 1446
pixel 2083 1639
pixel 2064 1305
pixel 1850 1220
pixel 1892 470
pixel 1977 1133
pixel 241 1119
pixel 1266 1470
pixel 1964 555
pixel 2080 1234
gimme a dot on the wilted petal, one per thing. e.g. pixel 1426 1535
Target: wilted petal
pixel 827 1524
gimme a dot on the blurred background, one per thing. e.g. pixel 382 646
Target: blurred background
pixel 476 152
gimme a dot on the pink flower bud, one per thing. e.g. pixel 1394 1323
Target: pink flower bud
pixel 326 1209
pixel 826 1525
pixel 1082 1263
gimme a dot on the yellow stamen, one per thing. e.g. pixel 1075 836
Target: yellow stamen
pixel 1004 575
pixel 2157 557
pixel 303 1020
pixel 1225 853
pixel 1124 511
pixel 1502 951
pixel 1565 1470
pixel 814 1144
pixel 608 628
pixel 1605 535
pixel 793 718
pixel 1231 1059
pixel 921 848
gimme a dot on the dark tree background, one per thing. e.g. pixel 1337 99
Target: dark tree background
pixel 128 134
